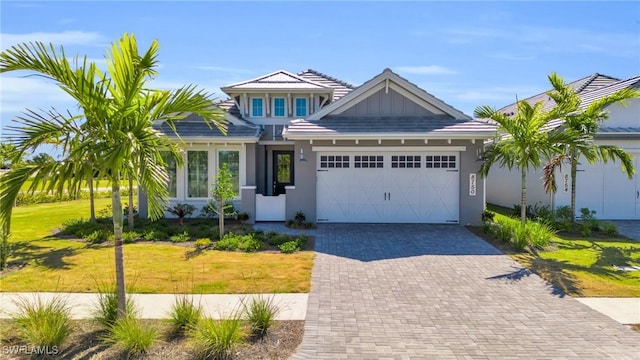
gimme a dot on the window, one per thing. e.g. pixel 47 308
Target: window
pixel 334 161
pixel 405 161
pixel 172 171
pixel 197 178
pixel 440 162
pixel 257 110
pixel 232 159
pixel 368 161
pixel 301 106
pixel 279 108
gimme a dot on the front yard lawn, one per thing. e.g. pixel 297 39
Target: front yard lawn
pixel 66 265
pixel 582 267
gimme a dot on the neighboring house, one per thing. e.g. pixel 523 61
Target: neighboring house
pixel 384 152
pixel 600 187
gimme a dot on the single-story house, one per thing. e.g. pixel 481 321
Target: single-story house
pixel 384 152
pixel 600 187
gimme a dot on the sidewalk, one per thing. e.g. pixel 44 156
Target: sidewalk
pixel 156 306
pixel 622 310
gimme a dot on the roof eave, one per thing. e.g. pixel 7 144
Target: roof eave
pixel 440 135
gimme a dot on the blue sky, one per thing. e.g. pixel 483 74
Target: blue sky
pixel 466 53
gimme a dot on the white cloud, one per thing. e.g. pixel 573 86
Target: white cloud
pixel 60 38
pixel 425 70
pixel 18 94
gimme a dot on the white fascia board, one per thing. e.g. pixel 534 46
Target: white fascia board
pixel 394 136
pixel 217 140
pixel 387 148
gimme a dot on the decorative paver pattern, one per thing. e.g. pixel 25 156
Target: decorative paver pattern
pixel 438 291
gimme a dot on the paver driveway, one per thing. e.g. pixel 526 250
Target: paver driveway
pixel 431 291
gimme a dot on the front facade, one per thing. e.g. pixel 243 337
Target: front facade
pixel 384 152
pixel 602 187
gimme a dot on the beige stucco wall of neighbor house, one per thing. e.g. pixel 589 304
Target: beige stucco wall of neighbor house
pixel 303 197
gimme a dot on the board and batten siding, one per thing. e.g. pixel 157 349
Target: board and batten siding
pixel 390 103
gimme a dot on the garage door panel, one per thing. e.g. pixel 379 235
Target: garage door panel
pixel 387 188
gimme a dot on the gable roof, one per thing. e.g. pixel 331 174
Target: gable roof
pixel 340 88
pixel 388 77
pixel 583 85
pixel 280 79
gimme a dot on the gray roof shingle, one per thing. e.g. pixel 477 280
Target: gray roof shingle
pixel 411 125
pixel 340 88
pixel 193 126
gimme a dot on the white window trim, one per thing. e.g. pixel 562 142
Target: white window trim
pixel 273 106
pixel 295 106
pixel 210 163
pixel 241 165
pixel 251 106
pixel 178 181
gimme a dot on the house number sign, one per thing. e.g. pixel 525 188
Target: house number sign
pixel 472 184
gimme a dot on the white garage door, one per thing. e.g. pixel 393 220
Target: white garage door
pixel 607 190
pixel 412 187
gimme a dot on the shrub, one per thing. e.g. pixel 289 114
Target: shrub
pixel 243 216
pixel 184 315
pixel 180 238
pixel 41 323
pixel 260 313
pixel 182 211
pixel 218 338
pixel 132 335
pixel 539 234
pixel 130 236
pixel 278 239
pixel 98 236
pixel 105 312
pixel 202 243
pixel 289 247
pixel 233 241
pixel 503 230
pixel 588 217
pixel 585 229
pixel 519 237
pixel 156 235
pixel 609 229
pixel 487 216
pixel 563 217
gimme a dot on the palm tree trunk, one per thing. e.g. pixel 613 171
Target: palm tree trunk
pixel 116 204
pixel 574 173
pixel 130 215
pixel 523 196
pixel 92 205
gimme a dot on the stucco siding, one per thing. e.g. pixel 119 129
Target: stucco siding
pixel 503 187
pixel 471 206
pixel 303 197
pixel 624 116
pixel 382 103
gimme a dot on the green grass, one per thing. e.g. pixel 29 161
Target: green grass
pixel 85 186
pixel 584 266
pixel 65 265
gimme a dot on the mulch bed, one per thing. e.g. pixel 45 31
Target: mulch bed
pixel 281 341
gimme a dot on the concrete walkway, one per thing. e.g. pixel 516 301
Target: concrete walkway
pixel 157 306
pixel 622 310
pixel 437 291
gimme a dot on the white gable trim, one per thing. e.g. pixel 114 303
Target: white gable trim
pixel 404 87
pixel 257 79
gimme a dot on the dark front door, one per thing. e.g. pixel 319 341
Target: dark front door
pixel 282 171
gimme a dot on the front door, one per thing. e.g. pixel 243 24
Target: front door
pixel 282 171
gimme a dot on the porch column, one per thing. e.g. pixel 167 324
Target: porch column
pixel 249 202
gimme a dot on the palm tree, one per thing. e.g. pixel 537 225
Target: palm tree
pixel 583 123
pixel 523 142
pixel 118 112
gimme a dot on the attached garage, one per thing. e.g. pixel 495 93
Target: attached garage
pixel 388 186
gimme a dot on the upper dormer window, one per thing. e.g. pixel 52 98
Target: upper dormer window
pixel 301 107
pixel 279 107
pixel 257 107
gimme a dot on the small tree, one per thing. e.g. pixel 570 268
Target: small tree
pixel 222 191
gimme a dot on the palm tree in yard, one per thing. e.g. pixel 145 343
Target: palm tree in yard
pixel 523 142
pixel 115 127
pixel 583 123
